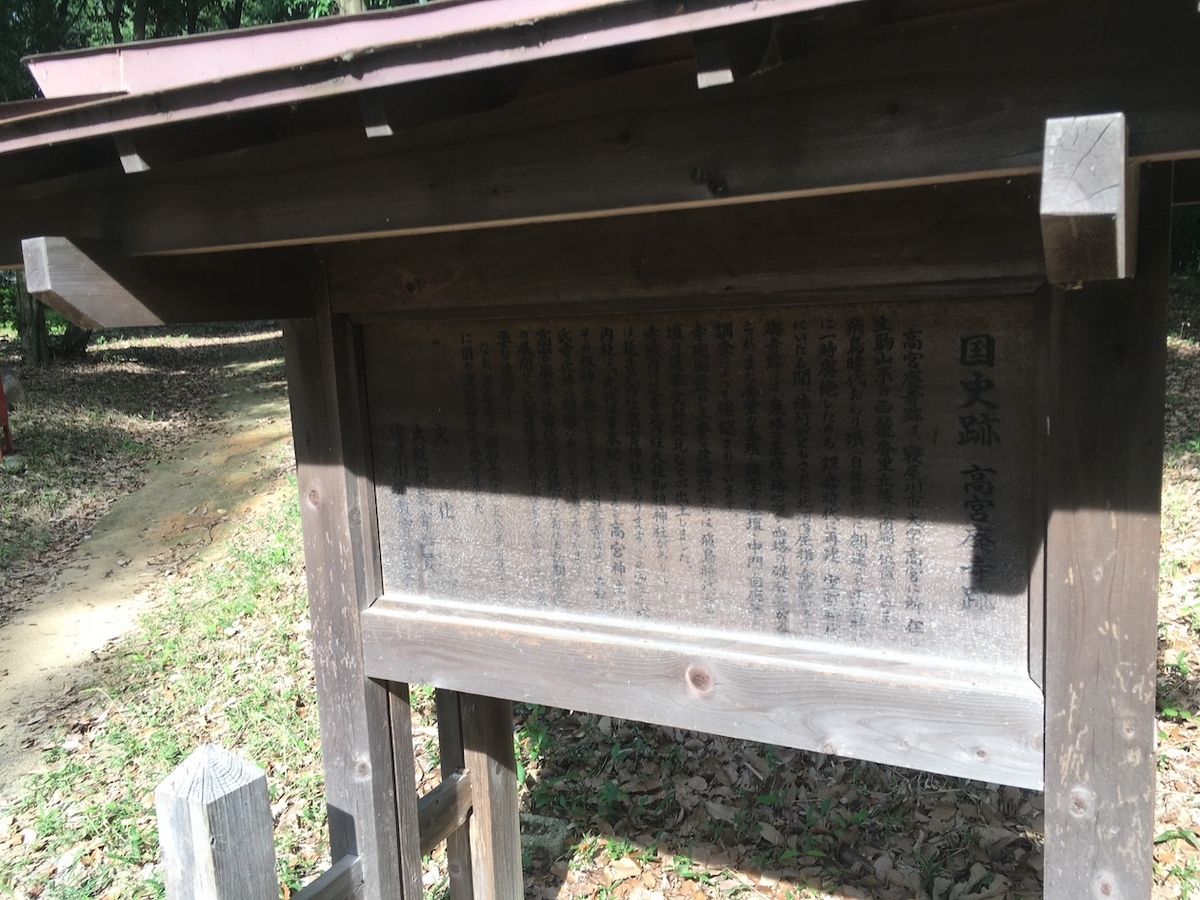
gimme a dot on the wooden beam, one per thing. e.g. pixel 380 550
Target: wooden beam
pixel 983 723
pixel 1104 475
pixel 227 72
pixel 450 746
pixel 917 236
pixel 341 881
pixel 444 809
pixel 405 774
pixel 487 729
pixel 94 285
pixel 1087 199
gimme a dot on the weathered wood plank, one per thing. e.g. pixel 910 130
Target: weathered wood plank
pixel 916 236
pixel 407 811
pixel 444 809
pixel 1102 570
pixel 1087 200
pixel 495 822
pixel 341 881
pixel 979 723
pixel 215 829
pixel 94 285
pixel 939 104
pixel 1040 400
pixel 458 842
pixel 340 56
pixel 337 514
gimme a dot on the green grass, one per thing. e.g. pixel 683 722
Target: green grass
pixel 75 459
pixel 220 660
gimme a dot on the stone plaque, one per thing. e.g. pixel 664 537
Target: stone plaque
pixel 849 475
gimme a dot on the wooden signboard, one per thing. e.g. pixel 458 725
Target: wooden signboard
pixel 830 506
pixel 821 408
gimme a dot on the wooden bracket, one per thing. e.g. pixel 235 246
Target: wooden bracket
pixel 342 881
pixel 131 160
pixel 1088 200
pixel 374 116
pixel 94 285
pixel 443 810
pixel 712 59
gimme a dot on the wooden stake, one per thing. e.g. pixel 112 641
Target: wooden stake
pixel 215 829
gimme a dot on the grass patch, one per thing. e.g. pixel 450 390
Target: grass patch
pixel 223 658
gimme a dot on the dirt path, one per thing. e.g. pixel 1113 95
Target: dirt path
pixel 129 562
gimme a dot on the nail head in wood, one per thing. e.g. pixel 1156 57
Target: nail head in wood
pixel 215 829
pixel 1088 228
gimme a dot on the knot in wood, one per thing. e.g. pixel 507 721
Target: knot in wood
pixel 1080 802
pixel 699 680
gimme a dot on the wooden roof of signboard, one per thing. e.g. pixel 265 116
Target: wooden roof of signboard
pixel 468 114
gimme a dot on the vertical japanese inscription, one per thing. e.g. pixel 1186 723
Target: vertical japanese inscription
pixel 848 475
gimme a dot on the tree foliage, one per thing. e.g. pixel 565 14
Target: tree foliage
pixel 44 26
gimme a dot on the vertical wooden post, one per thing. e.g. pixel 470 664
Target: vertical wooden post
pixel 1108 352
pixel 215 829
pixel 458 844
pixel 486 732
pixel 405 776
pixel 337 511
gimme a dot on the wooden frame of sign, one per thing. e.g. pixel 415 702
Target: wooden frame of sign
pixel 842 473
pixel 831 513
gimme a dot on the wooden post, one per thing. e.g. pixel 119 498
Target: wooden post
pixel 337 511
pixel 450 743
pixel 1105 432
pixel 215 829
pixel 487 731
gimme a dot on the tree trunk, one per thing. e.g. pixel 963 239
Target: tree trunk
pixel 346 7
pixel 74 342
pixel 140 11
pixel 31 326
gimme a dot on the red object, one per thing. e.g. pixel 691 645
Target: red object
pixel 6 444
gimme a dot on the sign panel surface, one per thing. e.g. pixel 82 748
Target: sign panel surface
pixel 855 476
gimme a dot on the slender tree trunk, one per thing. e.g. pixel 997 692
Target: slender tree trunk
pixel 75 342
pixel 115 13
pixel 31 326
pixel 141 9
pixel 232 15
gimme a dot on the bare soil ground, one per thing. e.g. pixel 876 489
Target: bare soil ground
pixel 48 645
pixel 109 555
